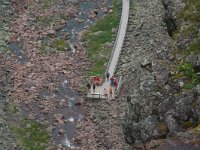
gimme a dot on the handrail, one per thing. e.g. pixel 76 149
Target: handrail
pixel 115 44
pixel 97 95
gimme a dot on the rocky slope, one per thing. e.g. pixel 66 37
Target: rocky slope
pixel 7 14
pixel 6 138
pixel 161 72
pixel 41 76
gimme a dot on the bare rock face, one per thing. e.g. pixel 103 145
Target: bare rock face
pixel 157 105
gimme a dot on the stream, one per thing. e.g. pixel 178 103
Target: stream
pixel 68 111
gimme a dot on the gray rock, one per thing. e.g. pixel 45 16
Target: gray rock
pixel 2 122
pixel 171 121
pixel 145 63
pixel 184 106
pixel 195 60
pixel 164 106
pixel 162 77
pixel 150 124
pixel 61 131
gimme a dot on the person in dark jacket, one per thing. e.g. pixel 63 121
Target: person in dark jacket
pixel 89 87
pixel 112 81
pixel 94 87
pixel 107 75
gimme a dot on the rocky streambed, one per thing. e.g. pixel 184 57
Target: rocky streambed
pixel 46 72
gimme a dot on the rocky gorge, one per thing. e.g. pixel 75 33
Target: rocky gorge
pixel 42 80
pixel 159 63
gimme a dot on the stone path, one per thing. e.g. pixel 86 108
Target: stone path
pixel 116 51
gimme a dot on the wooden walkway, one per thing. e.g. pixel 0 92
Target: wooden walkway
pixel 115 53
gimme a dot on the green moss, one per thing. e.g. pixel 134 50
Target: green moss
pixel 189 85
pixel 197 128
pixel 46 4
pixel 83 89
pixel 191 11
pixel 43 20
pixel 43 49
pixel 31 135
pixel 14 109
pixel 194 105
pixel 190 30
pixel 60 44
pixel 63 16
pixel 195 46
pixel 7 50
pixel 188 124
pixel 155 146
pixel 52 46
pixel 188 72
pixel 99 34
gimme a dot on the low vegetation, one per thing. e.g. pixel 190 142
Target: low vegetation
pixel 100 34
pixel 188 124
pixel 189 32
pixel 46 4
pixel 191 11
pixel 57 44
pixel 192 79
pixel 31 135
pixel 60 44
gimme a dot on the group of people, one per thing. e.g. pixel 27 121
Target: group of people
pixel 113 80
pixel 89 87
pixel 107 93
pixel 110 91
pixel 113 83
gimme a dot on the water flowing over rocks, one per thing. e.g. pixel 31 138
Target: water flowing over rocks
pixel 153 102
pixel 46 77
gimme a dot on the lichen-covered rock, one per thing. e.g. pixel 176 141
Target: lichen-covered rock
pixel 171 121
pixel 158 104
pixel 184 106
pixel 7 141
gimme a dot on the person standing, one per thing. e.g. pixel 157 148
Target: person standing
pixel 115 82
pixel 107 75
pixel 94 87
pixel 110 92
pixel 105 93
pixel 89 87
pixel 112 81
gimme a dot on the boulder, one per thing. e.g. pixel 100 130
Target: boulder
pixel 61 131
pixel 183 106
pixel 171 121
pixel 162 77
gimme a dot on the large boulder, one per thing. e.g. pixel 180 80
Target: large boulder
pixel 184 106
pixel 171 121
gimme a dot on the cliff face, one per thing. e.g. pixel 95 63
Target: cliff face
pixel 161 70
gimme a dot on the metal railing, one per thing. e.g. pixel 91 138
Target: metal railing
pixel 97 96
pixel 115 44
